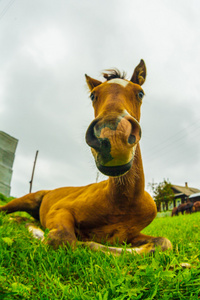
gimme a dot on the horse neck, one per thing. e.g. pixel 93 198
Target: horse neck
pixel 130 187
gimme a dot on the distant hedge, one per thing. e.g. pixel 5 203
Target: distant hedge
pixel 5 199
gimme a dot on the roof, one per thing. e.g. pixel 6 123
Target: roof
pixel 194 195
pixel 184 190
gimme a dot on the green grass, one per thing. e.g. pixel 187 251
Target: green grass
pixel 32 270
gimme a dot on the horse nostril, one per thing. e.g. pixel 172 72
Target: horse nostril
pixel 131 139
pixel 90 137
pixel 135 131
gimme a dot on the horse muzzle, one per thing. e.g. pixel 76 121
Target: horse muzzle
pixel 113 143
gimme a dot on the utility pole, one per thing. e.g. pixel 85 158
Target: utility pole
pixel 31 182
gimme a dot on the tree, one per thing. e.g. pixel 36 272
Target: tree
pixel 162 193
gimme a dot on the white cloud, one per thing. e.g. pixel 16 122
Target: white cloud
pixel 46 47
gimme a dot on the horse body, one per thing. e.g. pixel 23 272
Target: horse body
pixel 197 206
pixel 113 210
pixel 104 216
pixel 185 207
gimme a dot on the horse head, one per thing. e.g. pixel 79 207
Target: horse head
pixel 115 132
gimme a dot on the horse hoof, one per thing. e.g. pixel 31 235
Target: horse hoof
pixel 162 243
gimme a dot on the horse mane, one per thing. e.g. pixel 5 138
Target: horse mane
pixel 113 73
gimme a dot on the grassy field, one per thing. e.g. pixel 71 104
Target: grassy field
pixel 32 270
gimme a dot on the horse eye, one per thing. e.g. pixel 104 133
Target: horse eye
pixel 92 97
pixel 141 94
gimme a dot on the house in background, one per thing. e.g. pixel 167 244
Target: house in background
pixel 8 145
pixel 183 193
pixel 194 197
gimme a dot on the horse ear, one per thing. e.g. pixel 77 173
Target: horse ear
pixel 139 73
pixel 92 83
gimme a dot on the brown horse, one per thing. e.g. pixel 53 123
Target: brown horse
pixel 197 206
pixel 174 211
pixel 114 210
pixel 184 207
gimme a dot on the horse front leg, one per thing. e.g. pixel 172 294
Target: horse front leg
pixel 116 251
pixel 140 244
pixel 148 244
pixel 61 225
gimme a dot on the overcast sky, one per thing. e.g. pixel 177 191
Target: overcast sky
pixel 47 46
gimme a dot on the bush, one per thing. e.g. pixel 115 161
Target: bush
pixel 5 199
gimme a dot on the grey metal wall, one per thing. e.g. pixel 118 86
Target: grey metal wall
pixel 8 145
